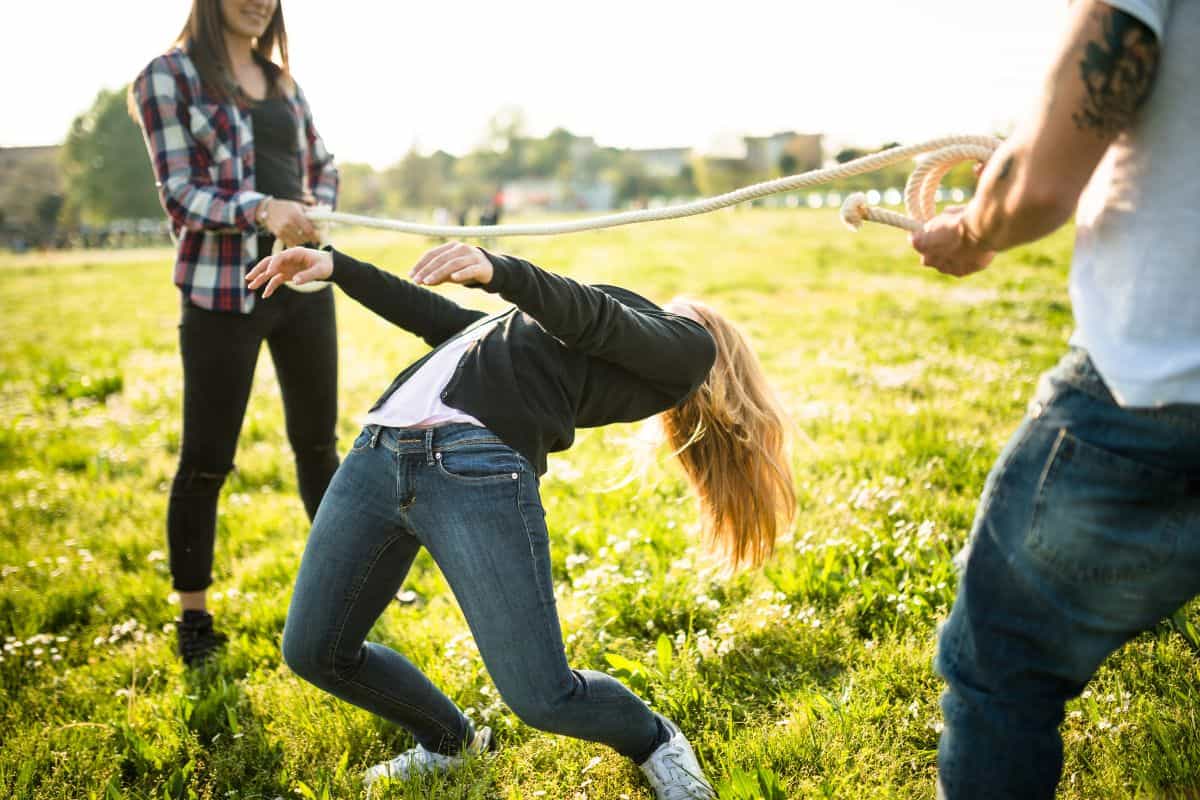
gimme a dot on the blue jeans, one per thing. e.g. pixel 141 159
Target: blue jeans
pixel 473 503
pixel 1087 534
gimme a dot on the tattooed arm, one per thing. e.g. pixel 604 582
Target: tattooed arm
pixel 1100 77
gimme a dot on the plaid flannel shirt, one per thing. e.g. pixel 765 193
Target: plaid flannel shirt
pixel 202 151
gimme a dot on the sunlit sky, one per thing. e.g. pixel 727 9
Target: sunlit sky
pixel 382 76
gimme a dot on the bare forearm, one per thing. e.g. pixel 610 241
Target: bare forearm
pixel 1097 84
pixel 1011 207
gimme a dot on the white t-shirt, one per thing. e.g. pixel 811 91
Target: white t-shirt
pixel 418 401
pixel 1135 276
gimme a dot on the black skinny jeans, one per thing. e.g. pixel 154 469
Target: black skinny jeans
pixel 219 352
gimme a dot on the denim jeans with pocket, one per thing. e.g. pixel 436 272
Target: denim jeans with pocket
pixel 473 502
pixel 1087 534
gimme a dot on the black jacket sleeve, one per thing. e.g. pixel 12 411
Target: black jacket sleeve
pixel 414 308
pixel 665 349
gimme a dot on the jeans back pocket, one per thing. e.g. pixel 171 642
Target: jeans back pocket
pixel 1101 517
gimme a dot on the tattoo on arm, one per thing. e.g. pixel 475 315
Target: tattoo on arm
pixel 1118 72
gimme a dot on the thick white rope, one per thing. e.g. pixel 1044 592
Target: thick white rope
pixel 918 196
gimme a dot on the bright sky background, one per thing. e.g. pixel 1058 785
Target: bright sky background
pixel 381 75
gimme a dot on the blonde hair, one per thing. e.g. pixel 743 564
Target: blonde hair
pixel 729 436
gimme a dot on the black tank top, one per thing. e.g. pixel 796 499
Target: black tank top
pixel 276 156
pixel 276 149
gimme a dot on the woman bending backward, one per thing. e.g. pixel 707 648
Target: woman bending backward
pixel 450 458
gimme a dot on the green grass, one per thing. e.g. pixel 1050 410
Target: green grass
pixel 808 678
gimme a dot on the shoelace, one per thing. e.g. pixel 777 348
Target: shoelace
pixel 678 781
pixel 420 760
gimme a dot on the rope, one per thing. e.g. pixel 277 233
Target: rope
pixel 918 196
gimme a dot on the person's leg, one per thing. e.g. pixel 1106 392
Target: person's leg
pixel 476 508
pixel 357 555
pixel 219 352
pixel 1079 545
pixel 304 348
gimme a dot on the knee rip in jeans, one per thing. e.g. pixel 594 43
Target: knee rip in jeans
pixel 199 479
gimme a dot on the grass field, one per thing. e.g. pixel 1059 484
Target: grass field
pixel 808 678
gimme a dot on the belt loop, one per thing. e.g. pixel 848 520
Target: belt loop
pixel 375 436
pixel 429 446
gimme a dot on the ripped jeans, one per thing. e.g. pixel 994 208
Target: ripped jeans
pixel 1088 533
pixel 220 351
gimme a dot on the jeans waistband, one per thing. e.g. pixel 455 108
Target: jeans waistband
pixel 431 440
pixel 1076 368
pixel 1077 371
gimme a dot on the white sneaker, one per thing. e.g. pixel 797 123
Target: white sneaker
pixel 674 773
pixel 419 761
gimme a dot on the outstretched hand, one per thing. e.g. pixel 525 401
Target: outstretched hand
pixel 296 265
pixel 454 262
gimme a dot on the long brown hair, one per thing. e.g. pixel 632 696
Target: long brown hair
pixel 204 39
pixel 729 435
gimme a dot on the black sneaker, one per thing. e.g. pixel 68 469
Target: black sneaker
pixel 196 638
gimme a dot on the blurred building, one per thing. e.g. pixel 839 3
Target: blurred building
pixel 787 152
pixel 663 162
pixel 28 175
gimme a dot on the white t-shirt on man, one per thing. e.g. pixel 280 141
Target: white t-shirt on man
pixel 1135 276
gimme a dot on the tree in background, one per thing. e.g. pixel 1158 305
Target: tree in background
pixel 414 182
pixel 47 211
pixel 360 189
pixel 28 181
pixel 551 156
pixel 104 163
pixel 507 138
